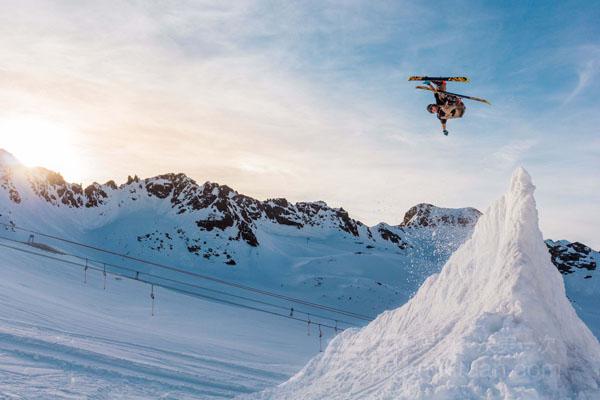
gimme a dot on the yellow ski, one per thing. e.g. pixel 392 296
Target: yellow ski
pixel 463 79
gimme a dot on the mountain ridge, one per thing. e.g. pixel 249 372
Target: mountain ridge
pixel 302 246
pixel 230 209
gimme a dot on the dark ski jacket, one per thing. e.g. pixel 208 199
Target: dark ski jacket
pixel 449 107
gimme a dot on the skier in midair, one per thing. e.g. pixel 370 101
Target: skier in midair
pixel 446 106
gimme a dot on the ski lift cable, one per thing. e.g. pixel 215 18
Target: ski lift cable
pixel 197 275
pixel 175 289
pixel 152 297
pixel 137 273
pixel 172 288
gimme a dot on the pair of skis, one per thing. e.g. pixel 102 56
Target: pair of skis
pixel 463 79
pixel 447 79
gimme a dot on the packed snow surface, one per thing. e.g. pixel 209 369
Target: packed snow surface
pixel 63 339
pixel 495 323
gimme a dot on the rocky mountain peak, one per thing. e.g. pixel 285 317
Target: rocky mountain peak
pixel 428 215
pixel 221 212
pixel 216 208
pixel 570 257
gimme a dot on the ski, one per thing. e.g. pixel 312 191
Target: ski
pixel 462 96
pixel 463 79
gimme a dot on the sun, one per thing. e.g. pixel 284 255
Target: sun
pixel 44 143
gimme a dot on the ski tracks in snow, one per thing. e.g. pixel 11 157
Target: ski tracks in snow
pixel 33 360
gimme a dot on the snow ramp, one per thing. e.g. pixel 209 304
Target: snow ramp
pixel 495 323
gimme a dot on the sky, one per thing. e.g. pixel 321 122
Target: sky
pixel 310 100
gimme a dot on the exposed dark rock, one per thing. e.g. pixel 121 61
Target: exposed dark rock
pixel 428 215
pixel 246 233
pixel 94 195
pixel 280 211
pixel 53 188
pixel 210 224
pixel 131 180
pixel 571 256
pixel 161 189
pixel 347 224
pixel 194 249
pixel 386 234
pixel 111 184
pixel 14 196
pixel 7 184
pixel 53 178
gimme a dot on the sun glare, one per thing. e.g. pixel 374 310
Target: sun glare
pixel 37 142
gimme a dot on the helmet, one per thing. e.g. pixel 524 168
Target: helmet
pixel 430 107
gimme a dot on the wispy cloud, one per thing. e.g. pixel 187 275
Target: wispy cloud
pixel 587 71
pixel 307 100
pixel 512 153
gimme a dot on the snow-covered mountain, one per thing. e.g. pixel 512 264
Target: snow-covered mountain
pixel 306 249
pixel 571 257
pixel 216 211
pixel 52 322
pixel 578 264
pixel 495 323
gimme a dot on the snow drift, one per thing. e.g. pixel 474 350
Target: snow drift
pixel 495 323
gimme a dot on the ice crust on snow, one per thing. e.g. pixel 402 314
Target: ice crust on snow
pixel 495 323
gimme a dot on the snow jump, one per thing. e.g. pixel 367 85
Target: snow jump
pixel 447 105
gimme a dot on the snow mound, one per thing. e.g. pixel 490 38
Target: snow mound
pixel 495 323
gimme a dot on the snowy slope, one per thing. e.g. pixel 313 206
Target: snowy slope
pixel 63 339
pixel 494 323
pixel 60 338
pixel 307 250
pixel 304 249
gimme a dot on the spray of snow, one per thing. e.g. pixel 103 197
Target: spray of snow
pixel 495 323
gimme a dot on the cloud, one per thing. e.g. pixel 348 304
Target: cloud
pixel 307 100
pixel 586 72
pixel 511 154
